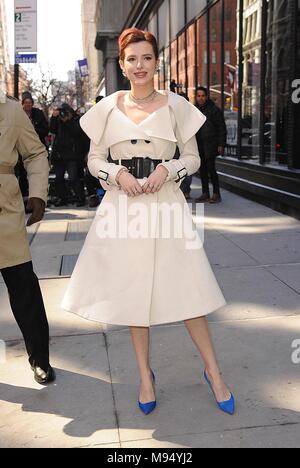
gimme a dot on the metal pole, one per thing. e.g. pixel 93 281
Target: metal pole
pixel 16 80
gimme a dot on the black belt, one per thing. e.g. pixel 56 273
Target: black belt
pixel 140 167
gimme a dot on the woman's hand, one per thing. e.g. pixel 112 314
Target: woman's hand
pixel 156 180
pixel 129 184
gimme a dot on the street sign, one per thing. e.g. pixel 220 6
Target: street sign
pixel 26 58
pixel 25 27
pixel 83 67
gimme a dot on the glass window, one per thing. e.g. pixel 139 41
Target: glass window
pixel 182 63
pixel 191 61
pixel 161 71
pixel 202 50
pixel 173 58
pixel 194 8
pixel 177 17
pixel 163 24
pixel 296 106
pixel 251 92
pixel 167 68
pixel 277 83
pixel 152 26
pixel 216 54
pixel 231 77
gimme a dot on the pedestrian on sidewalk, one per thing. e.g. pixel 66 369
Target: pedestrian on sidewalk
pixel 211 139
pixel 67 154
pixel 138 278
pixel 17 135
pixel 41 126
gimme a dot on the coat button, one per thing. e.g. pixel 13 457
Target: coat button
pixel 133 142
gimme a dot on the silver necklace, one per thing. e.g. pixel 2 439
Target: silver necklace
pixel 143 100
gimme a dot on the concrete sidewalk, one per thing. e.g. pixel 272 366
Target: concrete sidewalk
pixel 255 253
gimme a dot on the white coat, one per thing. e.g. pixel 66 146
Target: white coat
pixel 142 280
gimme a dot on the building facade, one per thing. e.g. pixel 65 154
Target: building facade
pixel 94 56
pixel 247 53
pixel 4 54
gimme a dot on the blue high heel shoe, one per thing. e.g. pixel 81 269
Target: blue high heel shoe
pixel 228 406
pixel 148 408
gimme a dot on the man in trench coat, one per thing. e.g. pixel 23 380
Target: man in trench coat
pixel 17 135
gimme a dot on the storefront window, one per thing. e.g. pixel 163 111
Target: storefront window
pixel 277 83
pixel 163 24
pixel 194 7
pixel 216 54
pixel 177 17
pixel 152 25
pixel 173 59
pixel 202 50
pixel 296 106
pixel 251 92
pixel 182 63
pixel 231 76
pixel 161 71
pixel 167 68
pixel 191 62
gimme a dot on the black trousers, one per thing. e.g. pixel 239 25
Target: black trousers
pixel 208 170
pixel 72 168
pixel 28 308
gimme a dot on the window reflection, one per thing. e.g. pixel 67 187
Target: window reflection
pixel 231 77
pixel 191 62
pixel 215 53
pixel 202 51
pixel 182 63
pixel 188 61
pixel 251 82
pixel 277 83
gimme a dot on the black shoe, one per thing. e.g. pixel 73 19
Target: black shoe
pixel 204 198
pixel 60 203
pixel 94 201
pixel 42 377
pixel 216 198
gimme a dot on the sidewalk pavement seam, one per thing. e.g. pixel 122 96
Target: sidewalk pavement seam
pixel 237 246
pixel 112 389
pixel 268 426
pixel 282 281
pixel 125 329
pixel 237 267
pixel 218 322
pixel 269 265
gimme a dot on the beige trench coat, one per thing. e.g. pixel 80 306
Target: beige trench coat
pixel 17 135
pixel 142 280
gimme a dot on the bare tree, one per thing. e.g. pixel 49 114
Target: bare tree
pixel 48 91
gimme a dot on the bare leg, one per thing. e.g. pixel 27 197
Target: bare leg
pixel 141 343
pixel 200 334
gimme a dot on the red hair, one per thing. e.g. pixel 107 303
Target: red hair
pixel 134 35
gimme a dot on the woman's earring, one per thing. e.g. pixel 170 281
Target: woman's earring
pixel 124 74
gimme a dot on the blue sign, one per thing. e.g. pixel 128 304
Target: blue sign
pixel 26 58
pixel 83 67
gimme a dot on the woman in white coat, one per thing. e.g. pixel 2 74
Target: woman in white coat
pixel 128 273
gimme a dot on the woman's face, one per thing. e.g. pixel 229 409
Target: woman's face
pixel 139 63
